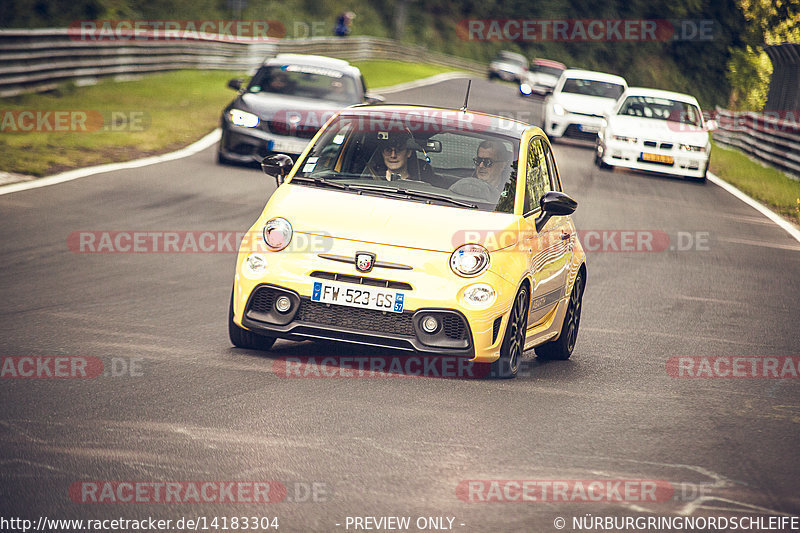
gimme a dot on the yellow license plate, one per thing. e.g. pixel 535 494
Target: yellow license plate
pixel 657 158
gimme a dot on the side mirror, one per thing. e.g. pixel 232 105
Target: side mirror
pixel 554 203
pixel 235 84
pixel 372 98
pixel 278 165
pixel 712 125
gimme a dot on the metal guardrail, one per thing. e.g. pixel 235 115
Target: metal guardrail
pixel 42 59
pixel 764 136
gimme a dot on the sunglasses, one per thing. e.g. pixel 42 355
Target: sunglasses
pixel 397 149
pixel 487 161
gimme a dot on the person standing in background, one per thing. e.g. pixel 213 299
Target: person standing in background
pixel 343 23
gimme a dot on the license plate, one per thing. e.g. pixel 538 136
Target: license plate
pixel 657 158
pixel 354 296
pixel 289 146
pixel 588 129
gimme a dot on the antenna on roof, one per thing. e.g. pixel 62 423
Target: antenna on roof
pixel 466 98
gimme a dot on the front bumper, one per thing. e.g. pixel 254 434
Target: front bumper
pixel 630 155
pixel 573 125
pixel 474 334
pixel 251 145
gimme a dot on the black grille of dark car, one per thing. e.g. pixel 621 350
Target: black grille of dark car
pixel 453 327
pixel 279 127
pixel 573 131
pixel 262 300
pixel 361 280
pixel 355 318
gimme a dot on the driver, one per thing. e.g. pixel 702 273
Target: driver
pixel 491 171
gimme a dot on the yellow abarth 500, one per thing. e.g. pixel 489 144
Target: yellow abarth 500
pixel 436 231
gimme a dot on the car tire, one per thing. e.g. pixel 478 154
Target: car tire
pixel 242 338
pixel 561 348
pixel 513 346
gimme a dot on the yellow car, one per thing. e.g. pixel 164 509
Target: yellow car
pixel 430 230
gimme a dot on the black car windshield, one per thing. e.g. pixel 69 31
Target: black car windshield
pixel 593 88
pixel 418 158
pixel 307 82
pixel 661 109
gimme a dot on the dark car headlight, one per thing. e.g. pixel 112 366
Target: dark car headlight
pixel 243 118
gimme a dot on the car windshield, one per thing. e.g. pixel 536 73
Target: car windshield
pixel 415 157
pixel 552 71
pixel 661 109
pixel 593 88
pixel 306 81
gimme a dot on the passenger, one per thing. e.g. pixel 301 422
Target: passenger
pixel 395 159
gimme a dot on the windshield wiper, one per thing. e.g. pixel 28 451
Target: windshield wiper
pixel 410 193
pixel 321 182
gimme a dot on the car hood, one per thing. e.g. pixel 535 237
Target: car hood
pixel 508 67
pixel 584 104
pixel 373 219
pixel 657 129
pixel 270 105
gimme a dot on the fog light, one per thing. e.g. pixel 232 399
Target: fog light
pixel 283 304
pixel 430 324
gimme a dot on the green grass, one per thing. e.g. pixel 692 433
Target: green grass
pixel 178 108
pixel 766 184
pixel 386 73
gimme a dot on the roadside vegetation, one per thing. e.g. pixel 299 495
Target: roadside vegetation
pixel 763 183
pixel 155 114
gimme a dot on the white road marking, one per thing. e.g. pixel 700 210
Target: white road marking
pixel 790 228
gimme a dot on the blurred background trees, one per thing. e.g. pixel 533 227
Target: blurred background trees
pixel 729 69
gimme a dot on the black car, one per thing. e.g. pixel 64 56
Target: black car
pixel 284 105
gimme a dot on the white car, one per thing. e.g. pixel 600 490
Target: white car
pixel 659 131
pixel 578 103
pixel 508 66
pixel 542 77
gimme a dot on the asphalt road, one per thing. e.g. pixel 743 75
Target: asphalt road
pixel 186 406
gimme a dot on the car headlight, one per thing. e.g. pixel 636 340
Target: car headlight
pixel 558 109
pixel 277 234
pixel 525 89
pixel 243 118
pixel 469 260
pixel 692 148
pixel 623 138
pixel 479 295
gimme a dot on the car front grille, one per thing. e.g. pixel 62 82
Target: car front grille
pixel 454 327
pixel 279 127
pixel 355 318
pixel 573 131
